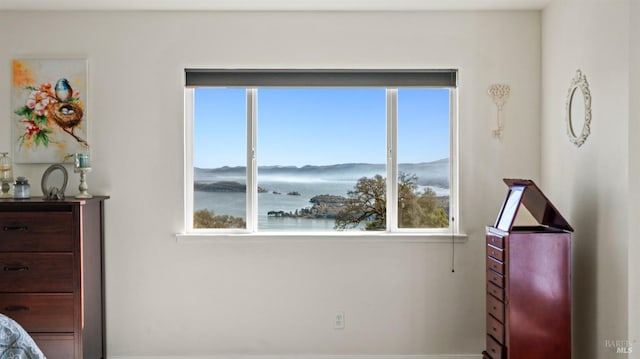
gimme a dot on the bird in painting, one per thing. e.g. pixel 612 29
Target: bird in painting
pixel 63 90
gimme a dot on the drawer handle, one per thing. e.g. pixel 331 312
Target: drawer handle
pixel 493 350
pixel 16 308
pixel 15 228
pixel 16 269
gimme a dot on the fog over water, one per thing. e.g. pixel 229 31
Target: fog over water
pixel 308 181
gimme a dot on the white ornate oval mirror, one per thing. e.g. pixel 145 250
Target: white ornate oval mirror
pixel 578 112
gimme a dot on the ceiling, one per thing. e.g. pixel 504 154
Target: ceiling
pixel 273 5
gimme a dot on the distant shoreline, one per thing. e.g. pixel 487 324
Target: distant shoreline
pixel 322 206
pixel 434 173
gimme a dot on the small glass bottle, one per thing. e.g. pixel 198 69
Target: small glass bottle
pixel 6 175
pixel 21 189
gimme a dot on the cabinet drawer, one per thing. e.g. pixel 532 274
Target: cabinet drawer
pixel 495 265
pixel 495 329
pixel 36 232
pixel 495 278
pixel 494 349
pixel 55 346
pixel 36 272
pixel 495 291
pixel 495 308
pixel 495 252
pixel 495 241
pixel 40 313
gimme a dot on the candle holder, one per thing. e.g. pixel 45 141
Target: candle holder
pixel 83 187
pixel 6 192
pixel 6 176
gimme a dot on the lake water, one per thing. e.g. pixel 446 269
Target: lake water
pixel 234 203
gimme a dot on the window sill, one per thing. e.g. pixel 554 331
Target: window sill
pixel 324 237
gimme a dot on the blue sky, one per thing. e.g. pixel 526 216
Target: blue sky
pixel 314 126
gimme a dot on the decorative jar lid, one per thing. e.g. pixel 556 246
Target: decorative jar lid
pixel 22 180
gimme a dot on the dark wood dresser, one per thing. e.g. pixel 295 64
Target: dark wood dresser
pixel 51 279
pixel 528 279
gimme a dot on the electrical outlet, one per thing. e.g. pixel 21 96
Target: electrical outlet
pixel 339 321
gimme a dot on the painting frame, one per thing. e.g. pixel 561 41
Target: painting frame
pixel 49 109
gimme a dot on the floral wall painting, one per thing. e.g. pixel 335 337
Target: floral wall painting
pixel 48 100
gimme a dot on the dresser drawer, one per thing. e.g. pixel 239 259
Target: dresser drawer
pixel 55 346
pixel 495 308
pixel 494 349
pixel 495 265
pixel 495 241
pixel 495 291
pixel 495 278
pixel 36 232
pixel 495 329
pixel 36 272
pixel 40 313
pixel 495 252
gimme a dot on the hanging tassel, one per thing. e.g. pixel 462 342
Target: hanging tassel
pixel 453 247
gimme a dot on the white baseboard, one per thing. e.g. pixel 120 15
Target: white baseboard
pixel 310 356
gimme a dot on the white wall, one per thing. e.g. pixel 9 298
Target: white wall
pixel 590 184
pixel 634 176
pixel 279 297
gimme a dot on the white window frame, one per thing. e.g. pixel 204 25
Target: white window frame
pixel 392 230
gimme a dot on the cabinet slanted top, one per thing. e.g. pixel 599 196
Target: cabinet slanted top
pixel 527 193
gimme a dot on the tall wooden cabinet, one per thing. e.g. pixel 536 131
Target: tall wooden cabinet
pixel 528 279
pixel 51 279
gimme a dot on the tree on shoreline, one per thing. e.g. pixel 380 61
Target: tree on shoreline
pixel 205 218
pixel 418 210
pixel 367 203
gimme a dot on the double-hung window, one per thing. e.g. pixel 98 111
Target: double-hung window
pixel 320 151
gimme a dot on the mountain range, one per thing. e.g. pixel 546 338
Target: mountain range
pixel 434 173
